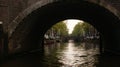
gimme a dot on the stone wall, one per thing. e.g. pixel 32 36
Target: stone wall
pixel 11 9
pixel 14 11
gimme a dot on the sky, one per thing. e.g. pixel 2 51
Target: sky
pixel 71 24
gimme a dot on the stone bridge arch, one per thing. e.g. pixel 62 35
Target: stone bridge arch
pixel 29 27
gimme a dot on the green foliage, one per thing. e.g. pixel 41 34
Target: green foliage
pixel 86 27
pixel 81 29
pixel 60 28
pixel 77 30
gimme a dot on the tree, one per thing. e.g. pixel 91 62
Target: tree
pixel 84 30
pixel 59 30
pixel 78 30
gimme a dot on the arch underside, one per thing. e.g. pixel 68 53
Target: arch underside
pixel 30 31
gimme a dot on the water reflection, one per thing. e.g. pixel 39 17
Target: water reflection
pixel 65 55
pixel 74 54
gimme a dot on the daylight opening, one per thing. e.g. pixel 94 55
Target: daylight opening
pixel 71 29
pixel 71 42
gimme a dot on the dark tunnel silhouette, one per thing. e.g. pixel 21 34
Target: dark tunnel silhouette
pixel 33 27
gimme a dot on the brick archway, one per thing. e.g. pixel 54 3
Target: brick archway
pixel 30 28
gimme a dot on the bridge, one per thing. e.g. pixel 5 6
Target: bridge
pixel 24 22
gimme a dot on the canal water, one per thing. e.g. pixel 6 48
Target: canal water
pixel 71 54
